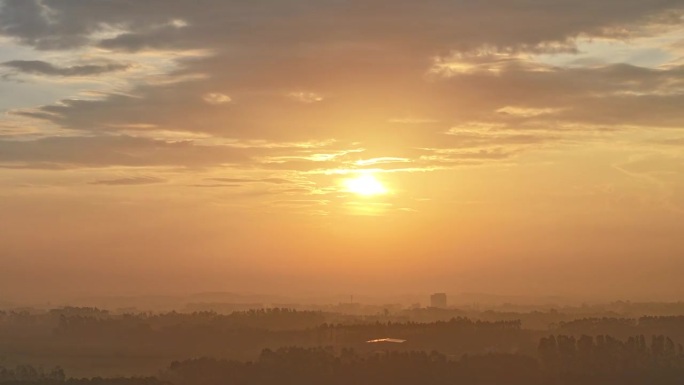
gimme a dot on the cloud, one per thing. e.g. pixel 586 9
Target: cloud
pixel 526 112
pixel 305 97
pixel 383 160
pixel 433 25
pixel 38 67
pixel 215 98
pixel 105 151
pixel 441 157
pixel 130 181
pixel 670 141
pixel 301 202
pixel 412 120
pixel 441 65
pixel 216 185
pixel 252 180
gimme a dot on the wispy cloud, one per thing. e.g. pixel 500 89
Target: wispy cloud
pixel 129 181
pixel 38 67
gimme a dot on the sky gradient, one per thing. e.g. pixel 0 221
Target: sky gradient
pixel 172 146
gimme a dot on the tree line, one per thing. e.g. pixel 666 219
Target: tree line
pixel 561 360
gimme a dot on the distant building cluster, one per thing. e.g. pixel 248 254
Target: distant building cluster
pixel 438 300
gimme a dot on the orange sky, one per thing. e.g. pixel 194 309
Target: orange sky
pixel 169 146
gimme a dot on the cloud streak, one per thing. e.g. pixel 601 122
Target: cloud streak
pixel 130 181
pixel 38 67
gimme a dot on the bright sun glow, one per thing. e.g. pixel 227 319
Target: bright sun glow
pixel 365 185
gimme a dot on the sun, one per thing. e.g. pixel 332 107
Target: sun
pixel 365 185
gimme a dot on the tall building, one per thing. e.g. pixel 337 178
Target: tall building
pixel 438 300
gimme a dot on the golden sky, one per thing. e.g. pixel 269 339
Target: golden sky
pixel 301 146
